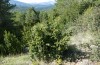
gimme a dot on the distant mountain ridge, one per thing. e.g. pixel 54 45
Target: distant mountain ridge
pixel 17 3
pixel 37 6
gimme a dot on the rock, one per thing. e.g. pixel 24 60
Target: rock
pixel 84 62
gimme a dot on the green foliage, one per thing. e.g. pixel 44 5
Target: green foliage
pixel 50 37
pixel 30 19
pixel 68 9
pixel 89 21
pixel 5 21
pixel 4 11
pixel 48 33
pixel 31 16
pixel 19 18
pixel 43 14
pixel 48 40
pixel 12 44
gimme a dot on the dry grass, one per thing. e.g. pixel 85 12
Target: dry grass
pixel 25 60
pixel 83 62
pixel 15 60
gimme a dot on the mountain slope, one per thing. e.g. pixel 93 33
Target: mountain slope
pixel 38 6
pixel 19 3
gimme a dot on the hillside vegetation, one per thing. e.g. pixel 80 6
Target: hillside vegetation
pixel 69 32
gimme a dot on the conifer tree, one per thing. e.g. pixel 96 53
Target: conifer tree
pixel 5 21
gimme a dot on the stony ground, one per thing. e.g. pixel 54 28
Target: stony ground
pixel 83 62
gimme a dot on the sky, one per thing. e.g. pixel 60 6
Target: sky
pixel 36 1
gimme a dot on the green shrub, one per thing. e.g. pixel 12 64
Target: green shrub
pixel 12 44
pixel 48 41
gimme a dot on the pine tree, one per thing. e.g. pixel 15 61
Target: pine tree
pixel 31 17
pixel 5 21
pixel 5 8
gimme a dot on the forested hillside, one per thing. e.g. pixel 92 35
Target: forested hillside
pixel 22 7
pixel 68 32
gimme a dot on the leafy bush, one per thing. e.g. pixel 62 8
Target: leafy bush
pixel 48 40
